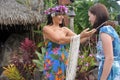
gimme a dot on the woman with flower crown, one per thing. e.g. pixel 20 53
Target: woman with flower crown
pixel 57 36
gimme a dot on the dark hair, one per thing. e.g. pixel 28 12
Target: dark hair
pixel 102 15
pixel 50 21
pixel 72 1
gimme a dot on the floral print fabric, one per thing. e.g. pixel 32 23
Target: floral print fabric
pixel 55 61
pixel 115 70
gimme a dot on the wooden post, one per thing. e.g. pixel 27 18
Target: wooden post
pixel 72 15
pixel 64 2
pixel 72 23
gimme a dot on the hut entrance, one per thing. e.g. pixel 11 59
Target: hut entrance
pixel 3 38
pixel 10 39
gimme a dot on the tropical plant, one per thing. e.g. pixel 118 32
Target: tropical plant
pixel 12 72
pixel 81 18
pixel 118 29
pixel 22 62
pixel 113 8
pixel 81 9
pixel 86 62
pixel 40 61
pixel 50 3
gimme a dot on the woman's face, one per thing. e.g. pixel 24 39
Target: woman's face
pixel 92 18
pixel 58 19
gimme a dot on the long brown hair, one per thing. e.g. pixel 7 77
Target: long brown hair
pixel 102 15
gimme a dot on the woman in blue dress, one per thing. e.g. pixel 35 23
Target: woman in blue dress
pixel 56 37
pixel 108 45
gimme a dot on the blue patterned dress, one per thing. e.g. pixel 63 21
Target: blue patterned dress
pixel 55 61
pixel 115 70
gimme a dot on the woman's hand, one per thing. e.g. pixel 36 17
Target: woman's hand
pixel 85 33
pixel 82 40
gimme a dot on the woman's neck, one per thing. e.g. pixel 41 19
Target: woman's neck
pixel 56 25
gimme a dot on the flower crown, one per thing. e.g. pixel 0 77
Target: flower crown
pixel 61 9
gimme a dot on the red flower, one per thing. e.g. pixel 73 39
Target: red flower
pixel 28 46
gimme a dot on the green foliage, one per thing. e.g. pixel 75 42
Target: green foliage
pixel 40 61
pixel 81 18
pixel 117 28
pixel 86 61
pixel 81 9
pixel 39 32
pixel 22 65
pixel 108 4
pixel 12 73
pixel 50 3
pixel 40 53
pixel 113 8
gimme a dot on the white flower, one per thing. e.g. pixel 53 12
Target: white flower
pixel 53 14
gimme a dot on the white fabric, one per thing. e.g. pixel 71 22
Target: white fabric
pixel 73 57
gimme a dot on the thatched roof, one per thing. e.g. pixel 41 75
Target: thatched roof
pixel 14 13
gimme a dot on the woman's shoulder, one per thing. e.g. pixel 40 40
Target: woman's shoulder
pixel 106 28
pixel 46 28
pixel 66 28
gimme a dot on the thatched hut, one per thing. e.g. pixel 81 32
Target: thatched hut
pixel 16 18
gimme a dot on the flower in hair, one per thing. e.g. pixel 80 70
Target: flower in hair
pixel 61 9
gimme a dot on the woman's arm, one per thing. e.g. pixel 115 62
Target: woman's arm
pixel 82 40
pixel 55 36
pixel 69 32
pixel 84 35
pixel 108 52
pixel 64 38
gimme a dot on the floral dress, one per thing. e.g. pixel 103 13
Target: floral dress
pixel 55 61
pixel 115 70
